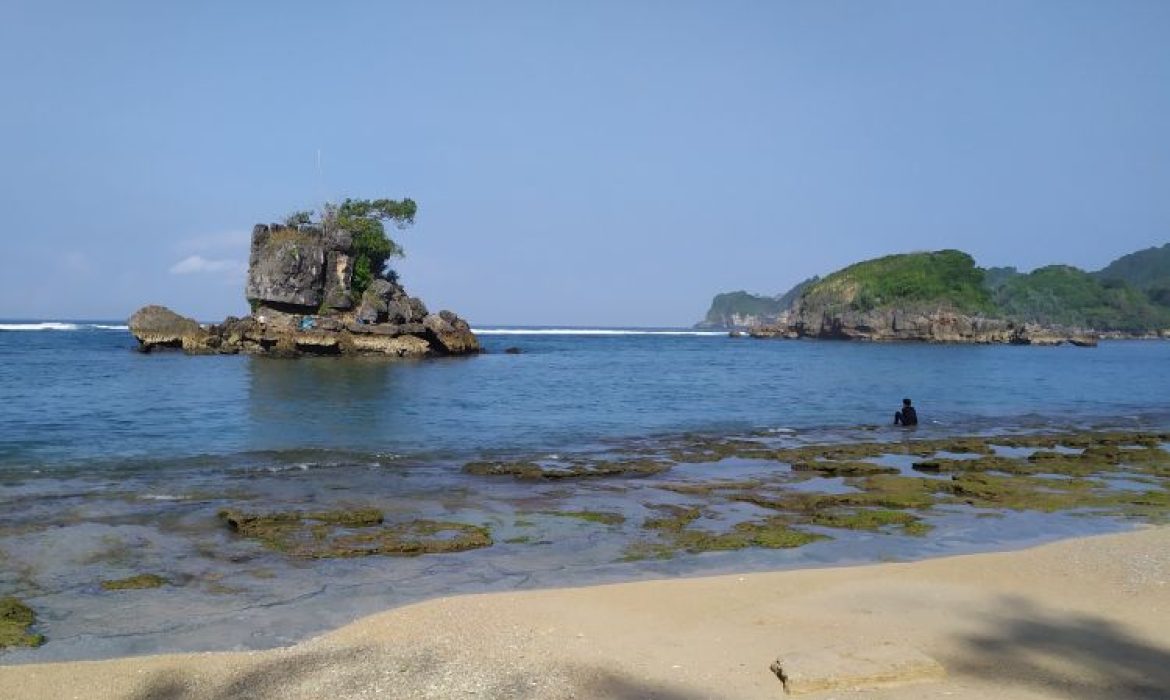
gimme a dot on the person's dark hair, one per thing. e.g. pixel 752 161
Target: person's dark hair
pixel 905 402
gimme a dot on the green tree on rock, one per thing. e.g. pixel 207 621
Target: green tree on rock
pixel 365 220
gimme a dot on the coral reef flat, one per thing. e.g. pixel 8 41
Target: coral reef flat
pixel 265 557
pixel 1083 618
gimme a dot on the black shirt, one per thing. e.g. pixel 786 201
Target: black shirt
pixel 907 416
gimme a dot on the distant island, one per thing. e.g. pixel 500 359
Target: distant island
pixel 943 296
pixel 320 285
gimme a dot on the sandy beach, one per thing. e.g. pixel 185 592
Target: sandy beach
pixel 1085 618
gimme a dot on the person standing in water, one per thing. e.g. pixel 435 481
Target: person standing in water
pixel 907 416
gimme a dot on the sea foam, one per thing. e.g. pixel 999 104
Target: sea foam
pixel 61 326
pixel 45 326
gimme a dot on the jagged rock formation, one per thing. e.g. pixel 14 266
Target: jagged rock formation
pixel 299 286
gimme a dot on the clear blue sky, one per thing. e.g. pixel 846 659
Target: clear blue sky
pixel 574 163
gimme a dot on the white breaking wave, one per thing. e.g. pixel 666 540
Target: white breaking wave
pixel 59 326
pixel 586 331
pixel 46 326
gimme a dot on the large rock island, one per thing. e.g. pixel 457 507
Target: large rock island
pixel 304 302
pixel 943 297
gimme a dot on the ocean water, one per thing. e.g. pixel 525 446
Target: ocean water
pixel 114 463
pixel 76 396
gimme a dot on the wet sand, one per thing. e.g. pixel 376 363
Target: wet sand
pixel 1083 618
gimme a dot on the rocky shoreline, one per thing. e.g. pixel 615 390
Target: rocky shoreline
pixel 299 288
pixel 931 326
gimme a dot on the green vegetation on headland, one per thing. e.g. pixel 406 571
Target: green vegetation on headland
pixel 1147 270
pixel 948 275
pixel 1131 295
pixel 16 619
pixel 1059 295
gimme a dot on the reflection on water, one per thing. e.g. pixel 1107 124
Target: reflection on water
pixel 322 402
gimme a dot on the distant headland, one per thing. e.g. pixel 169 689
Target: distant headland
pixel 320 286
pixel 943 296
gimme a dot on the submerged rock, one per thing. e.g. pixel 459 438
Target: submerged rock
pixel 134 583
pixel 16 619
pixel 353 533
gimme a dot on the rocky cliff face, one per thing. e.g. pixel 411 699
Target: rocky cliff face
pixel 921 324
pixel 740 310
pixel 299 288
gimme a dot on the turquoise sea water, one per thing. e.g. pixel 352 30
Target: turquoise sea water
pixel 82 399
pixel 114 463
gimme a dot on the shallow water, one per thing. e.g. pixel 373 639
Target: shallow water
pixel 113 463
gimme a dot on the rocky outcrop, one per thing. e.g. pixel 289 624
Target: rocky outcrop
pixel 931 325
pixel 159 327
pixel 286 266
pixel 741 310
pixel 451 333
pixel 736 310
pixel 299 286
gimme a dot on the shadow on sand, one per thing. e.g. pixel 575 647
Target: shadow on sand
pixel 366 673
pixel 1079 656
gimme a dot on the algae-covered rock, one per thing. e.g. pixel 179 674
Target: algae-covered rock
pixel 843 468
pixel 520 470
pixel 1031 493
pixel 769 533
pixel 775 532
pixel 872 519
pixel 353 533
pixel 674 517
pixel 134 582
pixel 590 516
pixel 16 619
